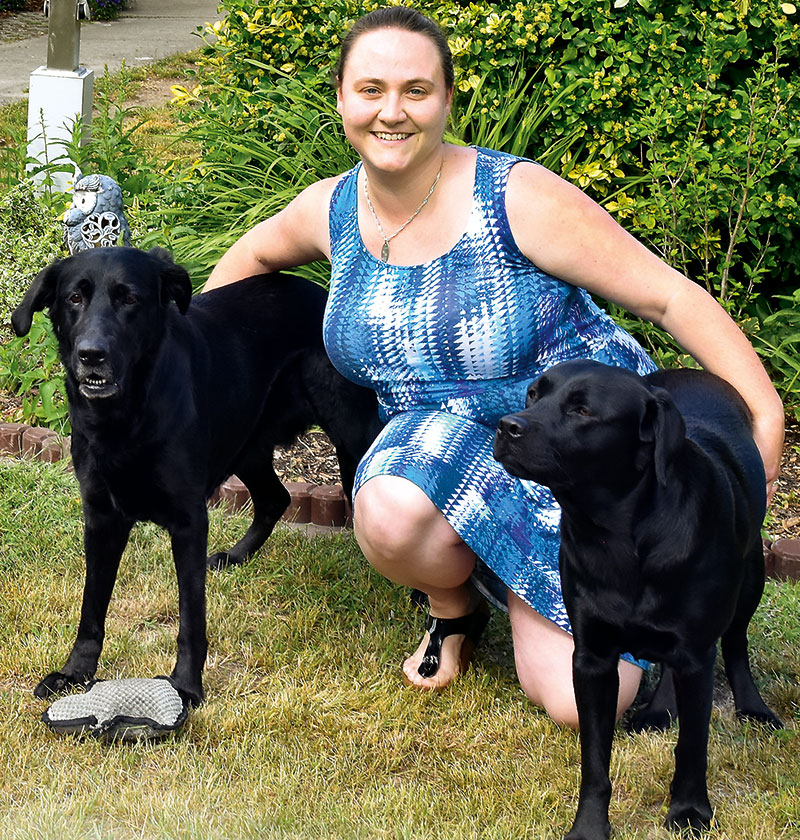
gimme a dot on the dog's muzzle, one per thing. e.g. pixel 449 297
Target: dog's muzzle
pixel 96 386
pixel 92 372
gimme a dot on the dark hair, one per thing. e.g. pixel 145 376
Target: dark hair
pixel 398 17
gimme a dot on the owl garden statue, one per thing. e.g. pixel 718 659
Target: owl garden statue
pixel 96 218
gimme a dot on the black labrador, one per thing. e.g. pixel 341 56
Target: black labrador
pixel 662 492
pixel 169 395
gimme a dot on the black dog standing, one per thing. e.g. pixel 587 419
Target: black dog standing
pixel 169 395
pixel 662 492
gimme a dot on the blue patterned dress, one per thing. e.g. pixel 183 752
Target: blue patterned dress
pixel 451 346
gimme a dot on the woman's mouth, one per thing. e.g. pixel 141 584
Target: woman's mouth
pixel 385 135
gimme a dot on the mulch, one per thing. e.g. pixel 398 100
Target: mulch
pixel 312 459
pixel 784 515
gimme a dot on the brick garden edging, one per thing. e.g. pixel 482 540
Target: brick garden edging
pixel 320 506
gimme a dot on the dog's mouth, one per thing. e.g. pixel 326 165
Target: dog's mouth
pixel 95 386
pixel 519 463
pixel 505 454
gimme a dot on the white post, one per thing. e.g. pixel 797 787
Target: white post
pixel 59 98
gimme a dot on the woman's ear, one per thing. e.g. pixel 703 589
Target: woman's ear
pixel 449 100
pixel 339 95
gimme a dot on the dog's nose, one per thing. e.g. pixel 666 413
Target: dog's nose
pixel 513 425
pixel 91 355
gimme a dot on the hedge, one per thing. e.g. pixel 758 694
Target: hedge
pixel 686 116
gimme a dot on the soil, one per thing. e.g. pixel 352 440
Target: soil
pixel 16 26
pixel 312 459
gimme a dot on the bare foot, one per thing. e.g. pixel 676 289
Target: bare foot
pixel 454 641
pixel 449 667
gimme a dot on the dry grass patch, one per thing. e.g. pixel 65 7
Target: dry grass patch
pixel 307 731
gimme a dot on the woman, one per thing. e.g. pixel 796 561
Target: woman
pixel 457 276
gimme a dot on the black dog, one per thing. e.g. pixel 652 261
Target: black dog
pixel 662 493
pixel 169 395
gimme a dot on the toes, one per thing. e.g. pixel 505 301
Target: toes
pixel 449 667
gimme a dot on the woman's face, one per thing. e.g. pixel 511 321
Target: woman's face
pixel 393 99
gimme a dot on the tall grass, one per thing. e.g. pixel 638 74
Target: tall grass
pixel 245 176
pixel 307 731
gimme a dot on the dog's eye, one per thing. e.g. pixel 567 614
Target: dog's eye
pixel 580 410
pixel 129 300
pixel 76 298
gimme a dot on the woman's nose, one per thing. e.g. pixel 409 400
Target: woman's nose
pixel 392 110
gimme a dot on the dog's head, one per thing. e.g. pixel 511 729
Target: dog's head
pixel 586 424
pixel 108 307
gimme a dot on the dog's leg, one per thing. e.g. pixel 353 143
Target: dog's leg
pixel 347 471
pixel 189 544
pixel 660 713
pixel 270 499
pixel 105 537
pixel 596 682
pixel 689 808
pixel 746 696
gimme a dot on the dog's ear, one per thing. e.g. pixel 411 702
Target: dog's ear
pixel 41 294
pixel 663 426
pixel 175 282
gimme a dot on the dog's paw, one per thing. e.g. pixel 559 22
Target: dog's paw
pixel 765 716
pixel 592 827
pixel 192 696
pixel 650 720
pixel 693 819
pixel 223 560
pixel 600 833
pixel 217 562
pixel 56 683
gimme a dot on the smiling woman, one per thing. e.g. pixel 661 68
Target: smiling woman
pixel 458 275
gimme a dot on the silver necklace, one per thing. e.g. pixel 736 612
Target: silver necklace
pixel 388 239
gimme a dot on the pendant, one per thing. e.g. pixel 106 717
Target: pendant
pixel 385 252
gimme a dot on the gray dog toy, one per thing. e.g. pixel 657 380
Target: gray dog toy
pixel 120 710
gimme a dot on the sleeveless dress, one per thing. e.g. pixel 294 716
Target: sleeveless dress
pixel 451 346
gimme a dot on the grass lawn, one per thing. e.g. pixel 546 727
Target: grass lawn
pixel 307 731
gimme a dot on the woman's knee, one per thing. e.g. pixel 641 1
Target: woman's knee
pixel 389 514
pixel 407 539
pixel 556 698
pixel 543 655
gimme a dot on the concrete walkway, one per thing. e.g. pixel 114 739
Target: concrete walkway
pixel 147 31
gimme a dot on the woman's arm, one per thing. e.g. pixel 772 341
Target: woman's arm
pixel 570 236
pixel 296 235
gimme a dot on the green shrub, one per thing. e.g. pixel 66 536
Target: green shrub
pixel 12 5
pixel 682 119
pixel 31 239
pixel 29 366
pixel 107 9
